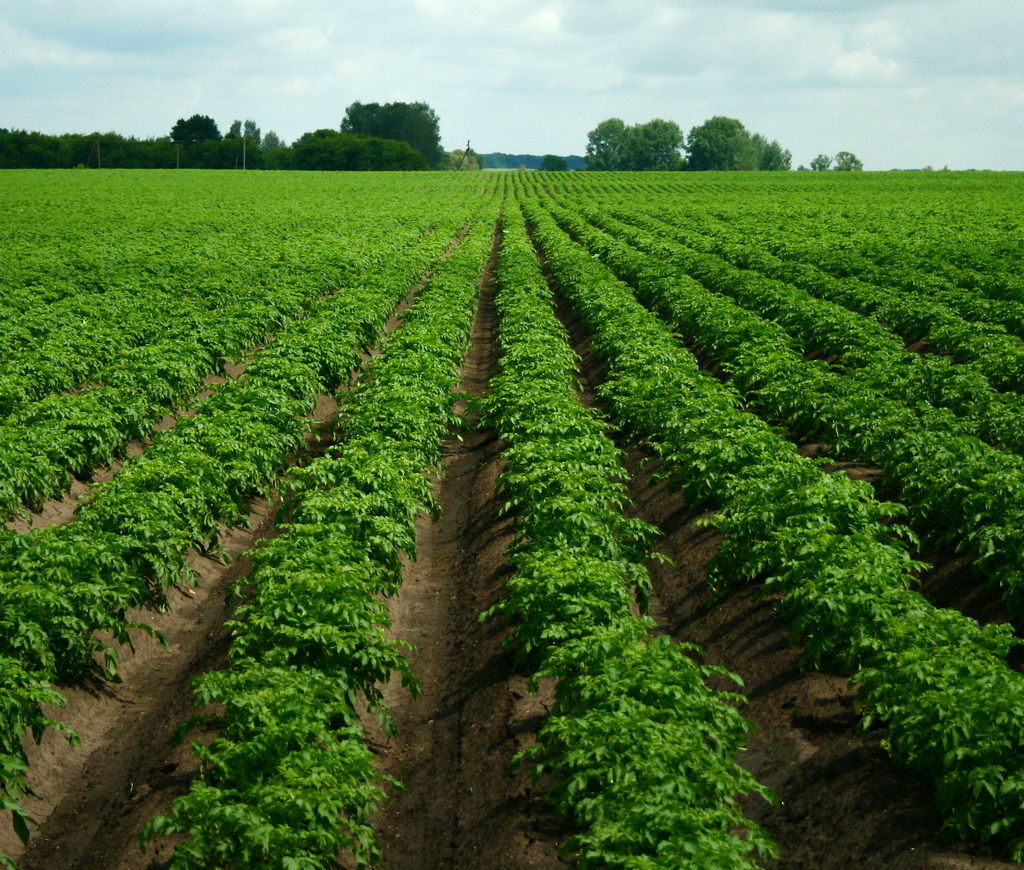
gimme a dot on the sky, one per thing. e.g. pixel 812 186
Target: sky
pixel 902 84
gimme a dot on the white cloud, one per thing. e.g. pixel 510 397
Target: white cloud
pixel 545 23
pixel 898 80
pixel 863 65
pixel 19 49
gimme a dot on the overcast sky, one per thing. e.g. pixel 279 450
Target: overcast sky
pixel 901 84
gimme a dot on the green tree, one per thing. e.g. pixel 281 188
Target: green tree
pixel 252 133
pixel 271 142
pixel 249 130
pixel 605 145
pixel 721 143
pixel 772 156
pixel 462 160
pixel 414 123
pixel 821 163
pixel 847 162
pixel 198 128
pixel 331 150
pixel 552 163
pixel 651 146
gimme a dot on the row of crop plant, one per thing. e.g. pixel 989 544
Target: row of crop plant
pixel 862 349
pixel 929 234
pixel 985 343
pixel 59 586
pixel 953 708
pixel 144 351
pixel 289 781
pixel 640 748
pixel 931 275
pixel 959 489
pixel 43 443
pixel 86 278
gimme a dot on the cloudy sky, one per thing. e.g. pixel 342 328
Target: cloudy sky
pixel 902 84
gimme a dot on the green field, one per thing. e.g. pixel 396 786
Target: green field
pixel 827 368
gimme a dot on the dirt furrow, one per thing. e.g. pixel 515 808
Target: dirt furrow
pixel 93 800
pixel 461 808
pixel 844 804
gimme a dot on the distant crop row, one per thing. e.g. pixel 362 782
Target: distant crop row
pixel 289 780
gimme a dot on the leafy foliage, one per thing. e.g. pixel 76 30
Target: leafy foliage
pixel 64 587
pixel 655 145
pixel 289 781
pixel 935 677
pixel 414 123
pixel 640 747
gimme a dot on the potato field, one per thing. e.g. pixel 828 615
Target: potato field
pixel 511 520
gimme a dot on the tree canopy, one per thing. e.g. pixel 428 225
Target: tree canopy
pixel 331 150
pixel 554 163
pixel 772 157
pixel 655 145
pixel 249 131
pixel 414 123
pixel 845 161
pixel 198 128
pixel 722 143
pixel 719 143
pixel 462 160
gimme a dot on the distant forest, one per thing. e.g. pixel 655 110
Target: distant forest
pixel 322 149
pixel 498 160
pixel 371 137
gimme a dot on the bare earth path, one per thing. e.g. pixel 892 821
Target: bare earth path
pixel 461 808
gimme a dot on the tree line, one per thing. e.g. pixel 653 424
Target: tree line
pixel 392 136
pixel 719 144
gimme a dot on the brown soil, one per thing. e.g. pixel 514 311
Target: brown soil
pixel 95 799
pixel 461 808
pixel 844 805
pixel 60 510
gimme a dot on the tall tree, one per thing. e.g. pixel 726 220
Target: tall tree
pixel 198 128
pixel 414 123
pixel 272 142
pixel 847 162
pixel 651 146
pixel 554 163
pixel 249 130
pixel 606 144
pixel 821 163
pixel 331 150
pixel 772 156
pixel 252 132
pixel 721 143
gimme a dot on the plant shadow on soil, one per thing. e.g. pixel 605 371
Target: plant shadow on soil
pixel 844 805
